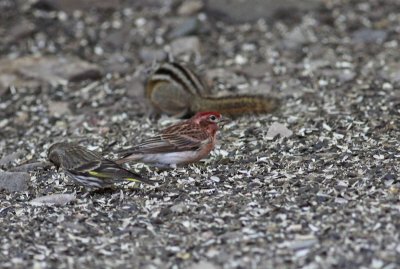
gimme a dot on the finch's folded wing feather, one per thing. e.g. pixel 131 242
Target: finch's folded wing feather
pixel 171 142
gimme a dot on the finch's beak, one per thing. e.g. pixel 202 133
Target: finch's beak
pixel 224 120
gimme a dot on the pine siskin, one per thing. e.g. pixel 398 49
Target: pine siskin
pixel 89 168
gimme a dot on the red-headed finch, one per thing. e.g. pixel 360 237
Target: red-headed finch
pixel 182 143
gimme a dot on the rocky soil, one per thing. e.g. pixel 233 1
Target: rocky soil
pixel 313 185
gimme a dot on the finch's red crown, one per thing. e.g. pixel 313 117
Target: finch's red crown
pixel 181 143
pixel 210 116
pixel 207 113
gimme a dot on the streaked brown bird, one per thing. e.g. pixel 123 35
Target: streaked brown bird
pixel 182 143
pixel 88 168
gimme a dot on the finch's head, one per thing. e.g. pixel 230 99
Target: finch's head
pixel 208 120
pixel 207 117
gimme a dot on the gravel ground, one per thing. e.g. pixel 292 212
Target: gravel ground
pixel 323 193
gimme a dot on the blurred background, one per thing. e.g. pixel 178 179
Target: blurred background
pixel 94 55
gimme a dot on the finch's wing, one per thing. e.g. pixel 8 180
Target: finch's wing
pixel 184 140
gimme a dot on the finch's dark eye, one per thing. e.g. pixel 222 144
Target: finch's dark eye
pixel 212 118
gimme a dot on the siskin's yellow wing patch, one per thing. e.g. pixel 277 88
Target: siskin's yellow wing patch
pixel 97 174
pixel 133 179
pixel 101 175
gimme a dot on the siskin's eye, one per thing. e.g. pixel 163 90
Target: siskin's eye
pixel 213 118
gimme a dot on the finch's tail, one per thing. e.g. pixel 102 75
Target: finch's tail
pixel 127 156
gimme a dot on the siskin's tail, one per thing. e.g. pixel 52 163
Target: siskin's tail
pixel 118 174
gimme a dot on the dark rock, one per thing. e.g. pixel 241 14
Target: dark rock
pixel 149 55
pixel 28 167
pixel 25 71
pixel 72 5
pixel 179 208
pixel 135 88
pixel 117 63
pixel 343 75
pixel 368 36
pixel 189 44
pixel 188 26
pixel 14 181
pixel 297 37
pixel 118 38
pixel 302 243
pixel 247 11
pixel 390 177
pixel 20 30
pixel 204 265
pixel 256 70
pixel 10 158
pixel 391 72
pixel 190 7
pixel 322 198
pixel 58 108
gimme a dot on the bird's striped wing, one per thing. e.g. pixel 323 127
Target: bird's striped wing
pixel 80 159
pixel 171 140
pixel 110 170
